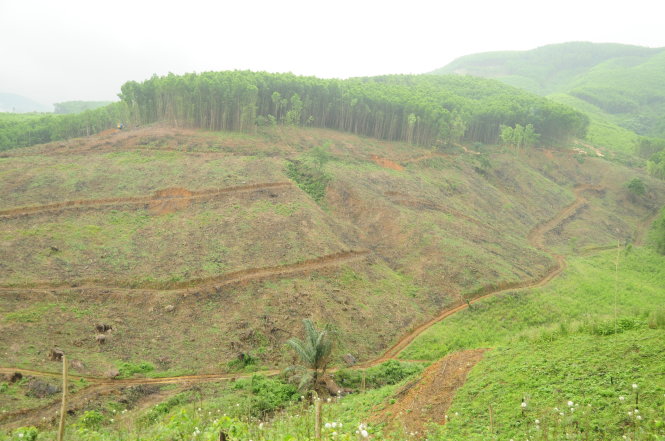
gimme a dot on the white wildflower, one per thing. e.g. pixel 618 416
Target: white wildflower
pixel 523 404
pixel 327 425
pixel 570 404
pixel 621 398
pixel 639 417
pixel 364 433
pixel 634 386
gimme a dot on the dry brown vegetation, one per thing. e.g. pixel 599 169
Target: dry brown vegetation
pixel 430 228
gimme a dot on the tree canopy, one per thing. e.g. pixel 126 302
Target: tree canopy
pixel 418 109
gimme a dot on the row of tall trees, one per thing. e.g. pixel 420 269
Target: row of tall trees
pixel 417 109
pixel 24 130
pixel 519 136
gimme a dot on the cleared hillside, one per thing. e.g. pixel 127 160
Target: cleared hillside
pixel 198 247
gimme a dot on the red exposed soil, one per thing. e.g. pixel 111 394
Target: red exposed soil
pixel 441 385
pixel 428 398
pixel 426 157
pixel 536 239
pixel 162 201
pixel 236 277
pixel 387 163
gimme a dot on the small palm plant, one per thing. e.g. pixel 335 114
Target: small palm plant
pixel 315 351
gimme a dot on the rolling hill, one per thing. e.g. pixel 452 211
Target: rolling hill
pixel 176 253
pixel 617 85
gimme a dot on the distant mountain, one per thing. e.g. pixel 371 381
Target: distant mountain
pixel 624 85
pixel 10 102
pixel 78 106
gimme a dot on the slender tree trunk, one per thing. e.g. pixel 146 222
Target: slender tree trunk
pixel 63 408
pixel 318 417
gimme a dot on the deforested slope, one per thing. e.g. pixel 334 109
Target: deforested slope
pixel 214 246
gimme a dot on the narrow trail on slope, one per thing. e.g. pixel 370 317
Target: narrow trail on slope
pixel 536 239
pixel 160 196
pixel 211 282
pixel 104 385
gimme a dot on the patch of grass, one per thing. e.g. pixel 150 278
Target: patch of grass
pixel 31 314
pixel 267 394
pixel 310 179
pixel 595 373
pixel 128 369
pixel 584 295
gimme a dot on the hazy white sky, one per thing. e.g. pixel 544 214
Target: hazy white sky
pixel 63 50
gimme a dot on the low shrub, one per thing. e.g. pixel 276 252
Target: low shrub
pixel 267 394
pixel 390 372
pixel 128 369
pixel 91 419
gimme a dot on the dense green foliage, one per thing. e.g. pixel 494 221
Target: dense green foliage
pixel 266 394
pixel 417 109
pixel 126 369
pixel 25 130
pixel 647 147
pixel 311 180
pixel 519 136
pixel 636 187
pixel 656 165
pixel 78 106
pixel 390 372
pixel 623 84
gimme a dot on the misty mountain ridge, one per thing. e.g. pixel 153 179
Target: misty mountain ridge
pixel 622 83
pixel 13 103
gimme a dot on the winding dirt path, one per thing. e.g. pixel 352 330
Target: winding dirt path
pixel 536 238
pixel 104 385
pixel 211 282
pixel 167 195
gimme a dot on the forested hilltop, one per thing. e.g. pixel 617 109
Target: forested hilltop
pixel 418 109
pixel 622 84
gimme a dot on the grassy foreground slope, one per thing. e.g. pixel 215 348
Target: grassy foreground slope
pixel 547 363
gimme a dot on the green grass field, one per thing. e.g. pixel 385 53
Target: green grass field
pixel 587 294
